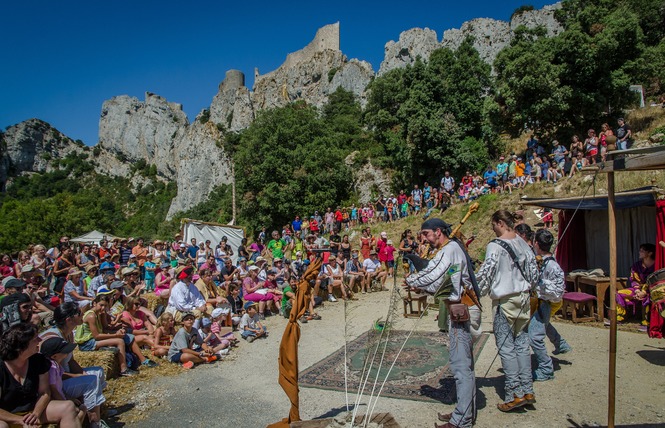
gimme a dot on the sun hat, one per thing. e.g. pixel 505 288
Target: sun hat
pixel 90 267
pixel 260 259
pixel 384 235
pixel 74 272
pixel 27 268
pixel 253 267
pixel 217 312
pixel 101 291
pixel 187 315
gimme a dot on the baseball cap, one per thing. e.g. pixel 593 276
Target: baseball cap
pixel 15 283
pixel 107 266
pixel 217 312
pixel 249 305
pixel 384 235
pixel 56 345
pixel 117 284
pixel 253 267
pixel 187 315
pixel 205 322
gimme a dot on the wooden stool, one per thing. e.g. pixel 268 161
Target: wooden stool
pixel 420 299
pixel 575 302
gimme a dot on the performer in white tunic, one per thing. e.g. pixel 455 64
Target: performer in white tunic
pixel 508 274
pixel 450 262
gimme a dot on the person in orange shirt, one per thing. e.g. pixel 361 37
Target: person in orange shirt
pixel 141 253
pixel 519 173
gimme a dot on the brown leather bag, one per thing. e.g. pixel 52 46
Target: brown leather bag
pixel 459 312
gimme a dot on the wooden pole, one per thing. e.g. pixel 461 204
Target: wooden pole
pixel 611 211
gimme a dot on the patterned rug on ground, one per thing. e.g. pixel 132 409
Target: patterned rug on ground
pixel 420 373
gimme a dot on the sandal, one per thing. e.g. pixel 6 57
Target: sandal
pixel 512 405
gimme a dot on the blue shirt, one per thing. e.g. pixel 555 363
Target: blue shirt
pixel 192 250
pixel 297 225
pixel 490 177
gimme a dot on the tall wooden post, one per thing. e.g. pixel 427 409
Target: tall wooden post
pixel 611 211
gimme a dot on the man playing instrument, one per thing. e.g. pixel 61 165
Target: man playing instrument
pixel 451 262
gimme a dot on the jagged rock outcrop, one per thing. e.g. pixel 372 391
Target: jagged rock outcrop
pixel 369 182
pixel 490 36
pixel 413 43
pixel 33 146
pixel 158 132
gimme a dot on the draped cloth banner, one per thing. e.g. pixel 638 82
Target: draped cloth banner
pixel 570 254
pixel 656 322
pixel 288 347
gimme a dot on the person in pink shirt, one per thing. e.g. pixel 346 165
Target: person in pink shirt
pixel 388 252
pixel 380 243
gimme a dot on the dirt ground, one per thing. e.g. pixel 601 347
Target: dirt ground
pixel 243 390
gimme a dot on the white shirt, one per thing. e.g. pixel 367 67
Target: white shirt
pixel 449 261
pixel 371 265
pixel 185 297
pixel 500 276
pixel 552 282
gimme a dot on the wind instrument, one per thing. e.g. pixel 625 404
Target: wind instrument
pixel 474 207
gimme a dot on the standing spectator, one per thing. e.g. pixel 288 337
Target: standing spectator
pixel 448 186
pixel 502 170
pixel 624 134
pixel 591 146
pixel 605 131
pixel 276 246
pixel 338 219
pixel 141 253
pixel 576 146
pixel 296 225
pixel 417 196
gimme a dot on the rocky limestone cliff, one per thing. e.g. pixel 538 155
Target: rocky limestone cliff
pixel 33 146
pixel 413 43
pixel 490 37
pixel 158 132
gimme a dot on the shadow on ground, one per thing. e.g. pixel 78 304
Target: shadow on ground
pixel 653 356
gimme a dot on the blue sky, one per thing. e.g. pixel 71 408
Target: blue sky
pixel 63 59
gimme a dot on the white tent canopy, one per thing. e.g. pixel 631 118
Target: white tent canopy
pixel 92 237
pixel 214 232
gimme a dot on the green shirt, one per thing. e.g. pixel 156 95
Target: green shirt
pixel 285 298
pixel 276 246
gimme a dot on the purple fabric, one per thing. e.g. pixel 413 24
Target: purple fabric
pixel 258 297
pixel 578 297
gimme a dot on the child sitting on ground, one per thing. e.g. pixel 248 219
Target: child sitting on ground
pixel 236 304
pixel 250 324
pixel 219 327
pixel 163 335
pixel 213 340
pixel 187 347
